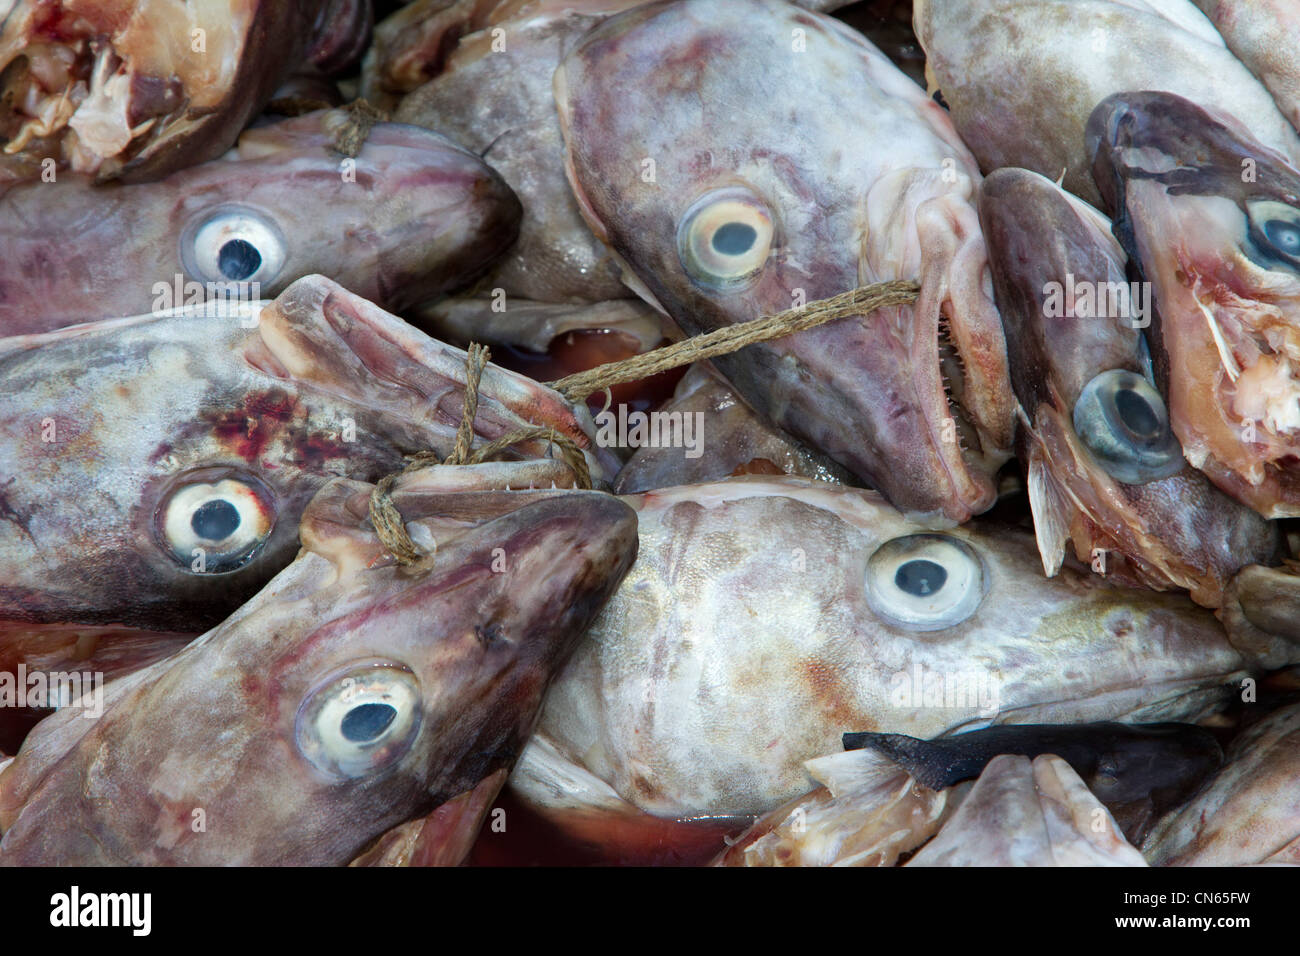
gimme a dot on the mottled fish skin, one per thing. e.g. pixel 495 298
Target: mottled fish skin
pixel 250 723
pixel 1249 813
pixel 1208 215
pixel 1176 531
pixel 1023 813
pixel 746 640
pixel 1264 35
pixel 1261 612
pixel 1022 77
pixel 730 439
pixel 127 89
pixel 415 215
pixel 109 429
pixel 1139 771
pixel 876 186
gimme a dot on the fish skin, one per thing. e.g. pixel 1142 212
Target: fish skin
pixel 196 101
pixel 847 211
pixel 732 440
pixel 1264 35
pixel 1029 813
pixel 1173 175
pixel 1174 532
pixel 1261 612
pixel 422 215
pixel 717 632
pixel 1025 102
pixel 1139 771
pixel 140 406
pixel 482 643
pixel 341 34
pixel 1249 812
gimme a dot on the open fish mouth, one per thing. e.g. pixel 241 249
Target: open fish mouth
pixel 1212 218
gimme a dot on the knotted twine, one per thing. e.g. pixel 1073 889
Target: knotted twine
pixel 575 388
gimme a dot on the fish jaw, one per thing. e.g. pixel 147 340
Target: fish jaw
pixel 662 703
pixel 411 216
pixel 1173 532
pixel 481 627
pixel 871 391
pixel 1182 181
pixel 118 90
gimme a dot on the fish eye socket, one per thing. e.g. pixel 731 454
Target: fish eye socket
pixel 725 238
pixel 1274 234
pixel 233 244
pixel 1122 420
pixel 217 525
pixel 925 582
pixel 361 720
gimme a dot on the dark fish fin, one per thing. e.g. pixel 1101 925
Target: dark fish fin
pixel 927 763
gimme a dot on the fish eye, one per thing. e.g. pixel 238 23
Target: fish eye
pixel 360 721
pixel 1274 233
pixel 925 582
pixel 232 244
pixel 724 238
pixel 217 526
pixel 1122 420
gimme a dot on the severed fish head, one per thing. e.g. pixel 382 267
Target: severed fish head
pixel 765 617
pixel 793 162
pixel 1105 470
pixel 409 217
pixel 1212 218
pixel 349 696
pixel 135 90
pixel 154 468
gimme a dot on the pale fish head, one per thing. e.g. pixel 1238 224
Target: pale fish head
pixel 791 161
pixel 766 617
pixel 1212 219
pixel 154 468
pixel 349 696
pixel 1105 470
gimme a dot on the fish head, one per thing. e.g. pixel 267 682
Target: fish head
pixel 1105 469
pixel 1212 219
pixel 765 617
pixel 155 468
pixel 793 162
pixel 133 91
pixel 350 695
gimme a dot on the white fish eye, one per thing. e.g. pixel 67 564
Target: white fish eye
pixel 232 244
pixel 360 721
pixel 724 238
pixel 925 582
pixel 1274 233
pixel 212 527
pixel 1122 420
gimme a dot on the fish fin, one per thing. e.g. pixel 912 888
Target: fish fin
pixel 1051 514
pixel 918 757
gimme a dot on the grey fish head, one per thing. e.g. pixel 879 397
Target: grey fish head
pixel 411 216
pixel 721 213
pixel 1105 470
pixel 155 468
pixel 1212 219
pixel 765 617
pixel 166 87
pixel 350 695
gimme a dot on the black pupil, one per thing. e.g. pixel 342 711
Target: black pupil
pixel 1285 235
pixel 1136 413
pixel 239 259
pixel 920 577
pixel 734 239
pixel 215 520
pixel 365 722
